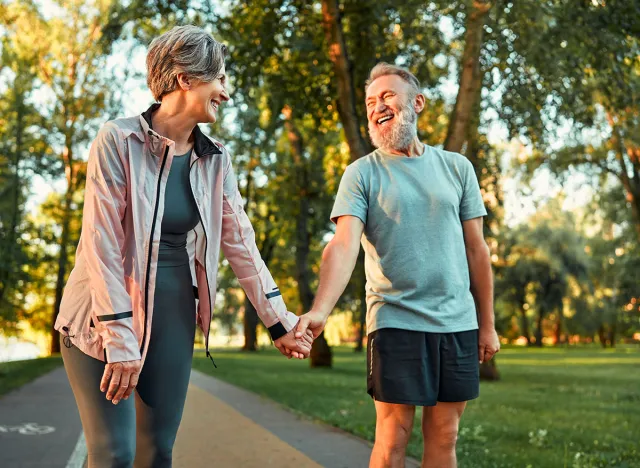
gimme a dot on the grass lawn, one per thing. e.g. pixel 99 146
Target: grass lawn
pixel 552 408
pixel 17 373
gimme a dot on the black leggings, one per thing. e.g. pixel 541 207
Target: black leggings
pixel 142 428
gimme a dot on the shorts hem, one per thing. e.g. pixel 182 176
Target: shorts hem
pixel 405 402
pixel 458 400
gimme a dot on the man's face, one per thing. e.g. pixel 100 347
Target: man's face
pixel 390 113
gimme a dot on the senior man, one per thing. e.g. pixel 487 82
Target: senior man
pixel 418 211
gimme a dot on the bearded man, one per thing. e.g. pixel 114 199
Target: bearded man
pixel 418 212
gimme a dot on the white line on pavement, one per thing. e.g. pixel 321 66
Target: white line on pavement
pixel 79 455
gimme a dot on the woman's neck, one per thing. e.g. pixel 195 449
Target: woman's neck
pixel 174 124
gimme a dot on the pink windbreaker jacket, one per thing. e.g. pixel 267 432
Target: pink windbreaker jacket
pixel 107 305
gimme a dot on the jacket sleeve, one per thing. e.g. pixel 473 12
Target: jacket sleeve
pixel 103 241
pixel 239 247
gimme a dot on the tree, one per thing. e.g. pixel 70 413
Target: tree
pixel 23 152
pixel 72 63
pixel 575 64
pixel 466 109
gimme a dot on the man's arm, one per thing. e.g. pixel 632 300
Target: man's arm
pixel 338 260
pixel 481 278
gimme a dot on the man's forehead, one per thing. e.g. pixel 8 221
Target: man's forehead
pixel 387 83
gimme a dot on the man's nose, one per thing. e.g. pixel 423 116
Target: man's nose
pixel 380 107
pixel 224 95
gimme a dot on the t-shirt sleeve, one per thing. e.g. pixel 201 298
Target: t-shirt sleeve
pixel 352 197
pixel 471 204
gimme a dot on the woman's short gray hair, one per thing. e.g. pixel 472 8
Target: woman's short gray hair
pixel 184 49
pixel 384 69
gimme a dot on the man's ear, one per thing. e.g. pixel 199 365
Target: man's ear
pixel 184 82
pixel 418 103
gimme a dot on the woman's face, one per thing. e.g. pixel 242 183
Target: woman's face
pixel 205 97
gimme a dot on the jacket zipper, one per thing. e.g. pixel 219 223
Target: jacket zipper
pixel 206 245
pixel 150 252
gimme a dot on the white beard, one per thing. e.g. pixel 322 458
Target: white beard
pixel 402 132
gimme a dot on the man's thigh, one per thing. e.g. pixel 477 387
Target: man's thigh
pixel 459 377
pixel 444 415
pixel 402 367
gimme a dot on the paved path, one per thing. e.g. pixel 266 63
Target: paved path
pixel 39 423
pixel 223 426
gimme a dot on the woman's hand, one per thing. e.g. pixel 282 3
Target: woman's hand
pixel 120 379
pixel 291 346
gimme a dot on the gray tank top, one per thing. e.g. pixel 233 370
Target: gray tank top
pixel 180 210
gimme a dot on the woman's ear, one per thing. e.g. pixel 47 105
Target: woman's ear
pixel 184 82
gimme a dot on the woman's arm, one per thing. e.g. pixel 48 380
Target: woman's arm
pixel 239 247
pixel 103 241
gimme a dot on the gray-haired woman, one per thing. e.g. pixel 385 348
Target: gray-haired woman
pixel 161 200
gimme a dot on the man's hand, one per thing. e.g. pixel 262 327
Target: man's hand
pixel 120 379
pixel 292 346
pixel 313 321
pixel 488 343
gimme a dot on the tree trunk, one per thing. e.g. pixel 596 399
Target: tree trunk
pixel 470 78
pixel 631 183
pixel 612 333
pixel 489 371
pixel 250 325
pixel 63 258
pixel 525 325
pixel 63 255
pixel 539 329
pixel 9 247
pixel 346 102
pixel 558 328
pixel 602 336
pixel 250 319
pixel 321 355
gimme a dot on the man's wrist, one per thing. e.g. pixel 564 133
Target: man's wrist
pixel 487 325
pixel 486 321
pixel 320 310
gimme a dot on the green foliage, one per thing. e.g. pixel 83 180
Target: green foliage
pixel 17 373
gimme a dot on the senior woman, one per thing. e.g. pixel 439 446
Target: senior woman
pixel 161 199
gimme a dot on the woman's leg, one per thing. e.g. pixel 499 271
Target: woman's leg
pixel 110 430
pixel 164 379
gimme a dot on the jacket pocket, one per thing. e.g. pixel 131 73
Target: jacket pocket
pixel 75 307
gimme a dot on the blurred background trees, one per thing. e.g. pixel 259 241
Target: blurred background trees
pixel 542 97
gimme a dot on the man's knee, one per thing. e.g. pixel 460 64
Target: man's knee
pixel 393 434
pixel 446 438
pixel 443 436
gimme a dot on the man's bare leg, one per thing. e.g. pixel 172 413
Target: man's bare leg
pixel 393 429
pixel 440 432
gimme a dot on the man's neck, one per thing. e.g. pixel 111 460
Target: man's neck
pixel 414 150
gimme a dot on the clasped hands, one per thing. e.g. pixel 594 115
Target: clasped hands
pixel 297 343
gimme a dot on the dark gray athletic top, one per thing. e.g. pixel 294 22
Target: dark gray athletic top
pixel 180 210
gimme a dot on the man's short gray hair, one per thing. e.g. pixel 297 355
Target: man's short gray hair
pixel 184 49
pixel 385 69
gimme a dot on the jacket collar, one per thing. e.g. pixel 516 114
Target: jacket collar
pixel 202 144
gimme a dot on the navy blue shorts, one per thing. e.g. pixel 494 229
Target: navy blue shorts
pixel 421 369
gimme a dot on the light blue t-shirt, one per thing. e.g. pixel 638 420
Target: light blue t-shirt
pixel 415 258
